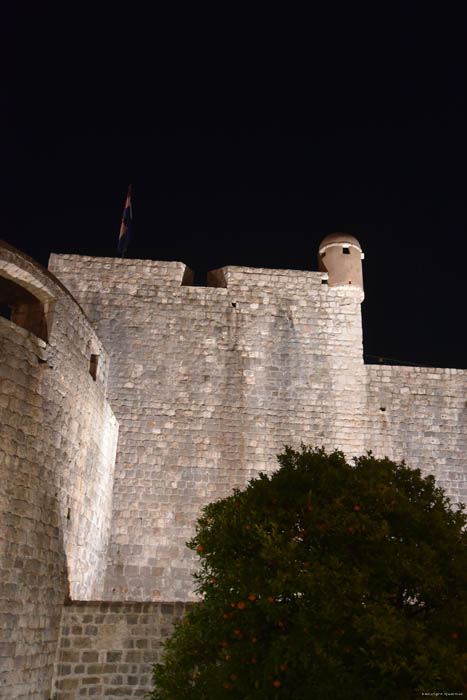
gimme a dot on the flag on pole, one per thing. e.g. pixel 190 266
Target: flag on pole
pixel 125 227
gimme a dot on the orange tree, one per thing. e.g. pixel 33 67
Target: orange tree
pixel 325 580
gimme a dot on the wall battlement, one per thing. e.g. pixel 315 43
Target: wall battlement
pixel 203 386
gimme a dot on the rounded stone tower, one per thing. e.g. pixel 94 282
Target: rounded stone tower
pixel 58 439
pixel 340 255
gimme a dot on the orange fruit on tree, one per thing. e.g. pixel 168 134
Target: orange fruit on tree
pixel 241 605
pixel 270 599
pixel 356 507
pixel 200 548
pixel 252 596
pixel 276 684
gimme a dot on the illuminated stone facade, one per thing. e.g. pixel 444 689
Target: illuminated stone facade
pixel 206 384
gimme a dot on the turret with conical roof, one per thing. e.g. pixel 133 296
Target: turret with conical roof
pixel 340 255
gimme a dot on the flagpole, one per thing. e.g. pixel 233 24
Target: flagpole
pixel 125 226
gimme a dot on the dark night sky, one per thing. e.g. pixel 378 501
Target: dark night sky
pixel 250 157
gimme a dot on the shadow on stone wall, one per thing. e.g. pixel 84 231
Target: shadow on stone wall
pixel 110 647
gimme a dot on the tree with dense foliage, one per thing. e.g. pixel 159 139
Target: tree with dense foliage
pixel 325 580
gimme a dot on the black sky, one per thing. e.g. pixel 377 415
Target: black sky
pixel 247 149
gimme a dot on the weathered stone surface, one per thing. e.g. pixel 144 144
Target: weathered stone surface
pixel 420 414
pixel 207 384
pixel 109 669
pixel 57 446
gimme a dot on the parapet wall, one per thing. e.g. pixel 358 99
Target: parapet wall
pixel 57 448
pixel 208 384
pixel 420 414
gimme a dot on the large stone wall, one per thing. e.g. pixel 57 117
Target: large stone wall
pixel 57 448
pixel 208 384
pixel 420 414
pixel 108 649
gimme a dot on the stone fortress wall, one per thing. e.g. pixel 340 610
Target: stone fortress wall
pixel 207 385
pixel 419 414
pixel 58 439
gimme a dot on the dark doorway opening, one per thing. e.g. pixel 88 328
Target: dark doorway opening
pixel 22 307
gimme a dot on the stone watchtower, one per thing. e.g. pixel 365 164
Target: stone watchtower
pixel 340 255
